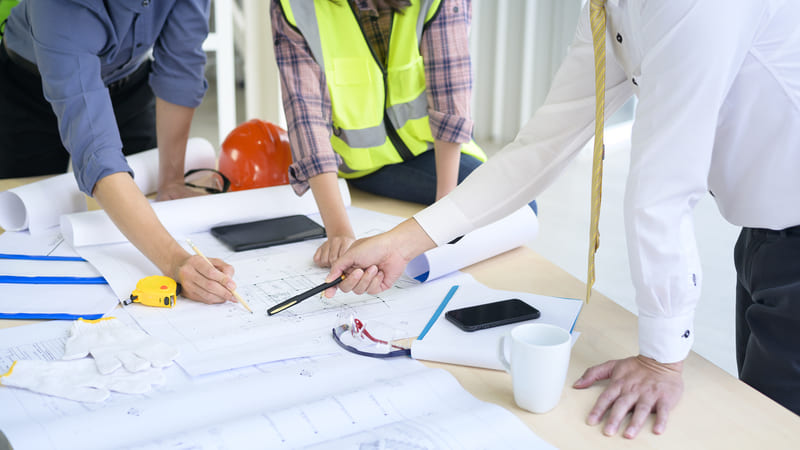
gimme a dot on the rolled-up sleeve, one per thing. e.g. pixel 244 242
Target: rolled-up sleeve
pixel 72 83
pixel 448 76
pixel 306 102
pixel 178 57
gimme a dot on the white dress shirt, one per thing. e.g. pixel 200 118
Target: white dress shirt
pixel 718 83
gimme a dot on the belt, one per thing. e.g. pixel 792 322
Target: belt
pixel 19 61
pixel 791 231
pixel 133 78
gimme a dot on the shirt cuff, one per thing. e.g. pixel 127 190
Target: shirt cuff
pixel 97 165
pixel 667 340
pixel 450 127
pixel 302 170
pixel 443 221
pixel 188 93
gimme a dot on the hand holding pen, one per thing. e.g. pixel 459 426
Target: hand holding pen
pixel 375 263
pixel 303 296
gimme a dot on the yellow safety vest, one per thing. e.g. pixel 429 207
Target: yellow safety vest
pixel 379 114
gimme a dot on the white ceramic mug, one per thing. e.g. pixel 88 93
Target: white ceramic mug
pixel 539 358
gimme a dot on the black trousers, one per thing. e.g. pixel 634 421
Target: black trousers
pixel 30 143
pixel 768 312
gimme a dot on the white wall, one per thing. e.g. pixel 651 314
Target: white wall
pixel 516 47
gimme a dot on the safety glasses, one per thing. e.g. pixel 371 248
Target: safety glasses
pixel 210 180
pixel 386 341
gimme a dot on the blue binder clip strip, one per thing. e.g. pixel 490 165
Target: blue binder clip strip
pixel 40 257
pixel 49 316
pixel 15 279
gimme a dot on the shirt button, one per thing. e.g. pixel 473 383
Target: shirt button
pixel 619 38
pixel 145 2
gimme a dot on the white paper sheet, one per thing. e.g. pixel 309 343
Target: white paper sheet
pixel 47 243
pixel 189 215
pixel 35 268
pixel 345 401
pixel 447 343
pixel 38 206
pixel 506 234
pixel 217 337
pixel 42 301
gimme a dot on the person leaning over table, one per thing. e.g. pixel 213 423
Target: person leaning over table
pixel 378 91
pixel 718 85
pixel 79 73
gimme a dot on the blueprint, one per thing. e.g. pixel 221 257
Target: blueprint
pixel 219 337
pixel 338 401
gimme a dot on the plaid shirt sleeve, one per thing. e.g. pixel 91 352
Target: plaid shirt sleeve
pixel 448 75
pixel 306 102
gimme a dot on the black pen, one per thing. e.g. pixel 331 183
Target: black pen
pixel 300 297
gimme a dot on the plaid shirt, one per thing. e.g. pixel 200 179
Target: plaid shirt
pixel 445 51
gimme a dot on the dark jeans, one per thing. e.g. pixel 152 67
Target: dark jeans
pixel 768 313
pixel 414 180
pixel 30 143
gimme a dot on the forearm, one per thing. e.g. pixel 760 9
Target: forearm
pixel 448 158
pixel 132 214
pixel 325 188
pixel 173 123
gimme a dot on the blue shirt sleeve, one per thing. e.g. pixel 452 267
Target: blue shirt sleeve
pixel 72 83
pixel 178 56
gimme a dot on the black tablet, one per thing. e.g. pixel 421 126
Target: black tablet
pixel 266 233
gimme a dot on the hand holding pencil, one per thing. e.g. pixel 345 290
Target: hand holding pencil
pixel 230 289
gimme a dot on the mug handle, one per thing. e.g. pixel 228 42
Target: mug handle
pixel 501 353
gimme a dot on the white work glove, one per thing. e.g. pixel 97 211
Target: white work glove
pixel 78 380
pixel 113 344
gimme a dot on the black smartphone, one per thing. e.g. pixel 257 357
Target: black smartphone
pixel 266 233
pixel 490 315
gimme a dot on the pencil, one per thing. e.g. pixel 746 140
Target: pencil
pixel 233 291
pixel 300 297
pixel 438 312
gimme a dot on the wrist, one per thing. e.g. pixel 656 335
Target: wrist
pixel 175 257
pixel 340 230
pixel 410 240
pixel 676 367
pixel 169 180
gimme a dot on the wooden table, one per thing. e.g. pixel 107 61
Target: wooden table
pixel 716 411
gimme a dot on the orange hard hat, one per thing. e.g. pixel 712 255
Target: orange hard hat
pixel 256 154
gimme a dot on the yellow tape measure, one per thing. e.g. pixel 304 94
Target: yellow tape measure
pixel 156 290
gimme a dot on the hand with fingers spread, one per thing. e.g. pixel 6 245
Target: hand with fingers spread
pixel 206 283
pixel 637 385
pixel 373 264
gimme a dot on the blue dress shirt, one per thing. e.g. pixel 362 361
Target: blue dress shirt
pixel 82 46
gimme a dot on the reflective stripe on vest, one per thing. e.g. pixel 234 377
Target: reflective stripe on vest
pixel 380 115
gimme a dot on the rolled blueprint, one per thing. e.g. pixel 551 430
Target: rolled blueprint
pixel 38 206
pixel 196 214
pixel 498 237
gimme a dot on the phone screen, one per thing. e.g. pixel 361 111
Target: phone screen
pixel 492 314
